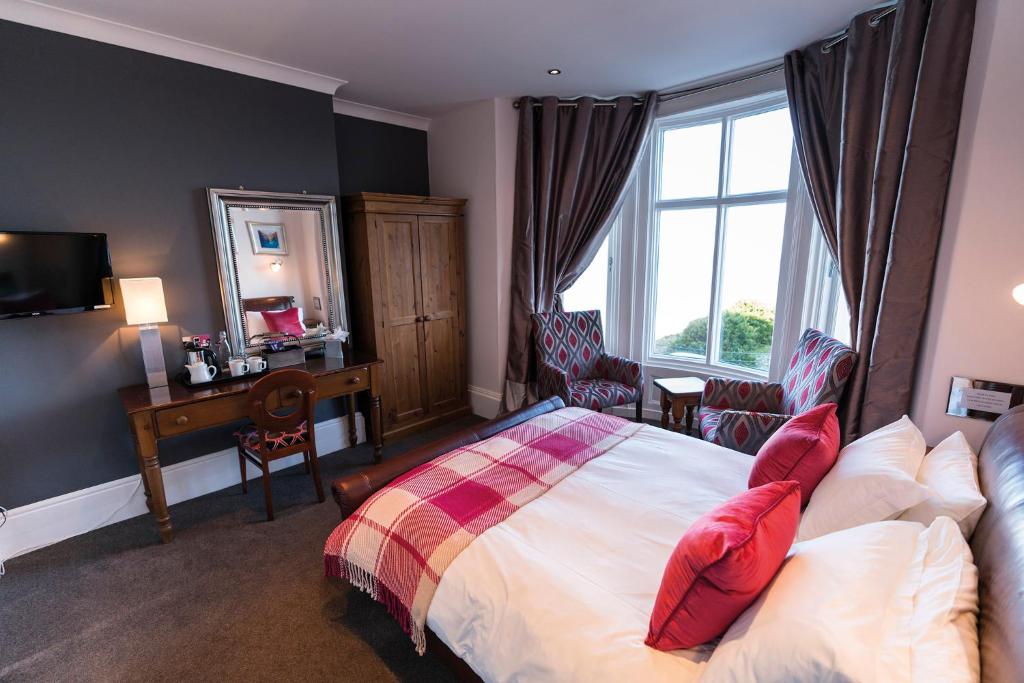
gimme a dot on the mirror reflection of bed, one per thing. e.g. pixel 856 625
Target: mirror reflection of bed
pixel 280 270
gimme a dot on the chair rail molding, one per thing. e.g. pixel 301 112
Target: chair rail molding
pixel 37 525
pixel 61 20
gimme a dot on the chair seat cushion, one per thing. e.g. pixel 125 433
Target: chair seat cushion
pixel 249 437
pixel 601 393
pixel 708 420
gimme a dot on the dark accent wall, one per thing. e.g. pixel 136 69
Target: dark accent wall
pixel 380 157
pixel 105 139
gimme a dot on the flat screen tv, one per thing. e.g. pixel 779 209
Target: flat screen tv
pixel 53 272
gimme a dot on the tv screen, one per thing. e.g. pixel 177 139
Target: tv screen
pixel 53 272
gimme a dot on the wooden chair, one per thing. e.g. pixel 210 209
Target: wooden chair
pixel 281 408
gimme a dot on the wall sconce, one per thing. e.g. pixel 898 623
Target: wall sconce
pixel 276 265
pixel 144 306
pixel 1018 294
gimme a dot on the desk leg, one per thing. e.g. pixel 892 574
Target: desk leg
pixel 153 480
pixel 690 409
pixel 665 405
pixel 351 420
pixel 376 412
pixel 378 427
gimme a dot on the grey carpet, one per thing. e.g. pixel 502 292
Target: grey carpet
pixel 233 597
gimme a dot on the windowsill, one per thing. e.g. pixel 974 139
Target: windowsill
pixel 695 367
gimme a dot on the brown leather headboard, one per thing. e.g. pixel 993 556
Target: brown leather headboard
pixel 268 303
pixel 998 546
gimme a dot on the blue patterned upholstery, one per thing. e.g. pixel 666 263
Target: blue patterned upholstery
pixel 572 363
pixel 742 414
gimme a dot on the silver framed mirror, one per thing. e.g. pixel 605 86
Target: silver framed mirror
pixel 277 252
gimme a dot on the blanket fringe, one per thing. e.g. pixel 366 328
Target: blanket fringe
pixel 366 582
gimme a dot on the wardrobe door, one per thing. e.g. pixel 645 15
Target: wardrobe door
pixel 405 390
pixel 441 277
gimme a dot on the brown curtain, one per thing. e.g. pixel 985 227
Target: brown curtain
pixel 876 120
pixel 572 165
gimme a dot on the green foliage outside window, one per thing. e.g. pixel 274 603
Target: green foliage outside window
pixel 746 336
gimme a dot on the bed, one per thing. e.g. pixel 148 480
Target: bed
pixel 598 583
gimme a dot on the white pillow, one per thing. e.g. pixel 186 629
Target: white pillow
pixel 871 603
pixel 950 472
pixel 873 480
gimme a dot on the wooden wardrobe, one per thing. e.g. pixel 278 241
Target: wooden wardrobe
pixel 407 294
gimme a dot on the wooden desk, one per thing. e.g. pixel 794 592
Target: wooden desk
pixel 677 394
pixel 170 411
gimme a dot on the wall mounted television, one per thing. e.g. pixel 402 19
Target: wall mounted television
pixel 45 273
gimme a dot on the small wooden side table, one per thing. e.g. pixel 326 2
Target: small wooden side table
pixel 679 394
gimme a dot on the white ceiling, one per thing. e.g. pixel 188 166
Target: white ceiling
pixel 425 56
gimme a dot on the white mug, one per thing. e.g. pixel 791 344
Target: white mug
pixel 238 367
pixel 201 372
pixel 256 363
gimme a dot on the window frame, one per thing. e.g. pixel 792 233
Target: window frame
pixel 726 112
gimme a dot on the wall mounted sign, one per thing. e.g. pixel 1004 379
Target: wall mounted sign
pixel 981 398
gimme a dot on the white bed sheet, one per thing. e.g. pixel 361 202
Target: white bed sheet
pixel 563 589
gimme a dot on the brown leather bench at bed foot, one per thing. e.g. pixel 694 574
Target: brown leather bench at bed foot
pixel 352 490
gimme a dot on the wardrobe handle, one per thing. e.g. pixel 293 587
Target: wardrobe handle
pixel 182 420
pixel 426 318
pixel 419 318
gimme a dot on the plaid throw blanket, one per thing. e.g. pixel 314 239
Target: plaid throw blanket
pixel 404 537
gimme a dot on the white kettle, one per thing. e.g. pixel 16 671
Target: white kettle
pixel 201 372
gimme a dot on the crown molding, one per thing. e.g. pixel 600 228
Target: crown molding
pixel 367 111
pixel 84 26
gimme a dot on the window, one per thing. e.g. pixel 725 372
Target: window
pixel 718 225
pixel 590 291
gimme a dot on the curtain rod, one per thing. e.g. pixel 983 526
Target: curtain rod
pixel 673 95
pixel 874 21
pixel 670 95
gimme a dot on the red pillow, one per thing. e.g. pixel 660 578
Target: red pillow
pixel 804 450
pixel 286 321
pixel 722 563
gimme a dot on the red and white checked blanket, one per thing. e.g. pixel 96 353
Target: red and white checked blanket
pixel 402 539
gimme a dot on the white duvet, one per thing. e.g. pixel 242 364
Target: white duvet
pixel 563 589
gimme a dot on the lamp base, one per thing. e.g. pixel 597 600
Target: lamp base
pixel 153 356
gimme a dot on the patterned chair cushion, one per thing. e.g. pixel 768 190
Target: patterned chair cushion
pixel 817 372
pixel 746 431
pixel 601 393
pixel 570 341
pixel 708 419
pixel 249 437
pixel 742 394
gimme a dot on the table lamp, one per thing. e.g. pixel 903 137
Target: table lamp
pixel 144 306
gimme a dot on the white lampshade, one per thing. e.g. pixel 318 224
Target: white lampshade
pixel 143 300
pixel 1018 294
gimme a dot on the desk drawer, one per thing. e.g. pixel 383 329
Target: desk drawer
pixel 345 382
pixel 189 418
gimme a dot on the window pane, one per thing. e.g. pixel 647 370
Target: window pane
pixel 760 151
pixel 686 250
pixel 590 291
pixel 750 283
pixel 841 324
pixel 690 160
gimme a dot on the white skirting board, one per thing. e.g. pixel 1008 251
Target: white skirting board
pixel 484 402
pixel 46 522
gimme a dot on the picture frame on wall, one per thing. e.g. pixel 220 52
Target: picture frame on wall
pixel 267 238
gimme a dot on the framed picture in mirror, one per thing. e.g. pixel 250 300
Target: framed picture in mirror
pixel 267 238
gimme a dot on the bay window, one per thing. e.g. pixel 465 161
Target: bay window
pixel 713 266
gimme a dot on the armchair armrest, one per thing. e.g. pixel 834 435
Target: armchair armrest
pixel 746 431
pixel 552 382
pixel 622 370
pixel 742 394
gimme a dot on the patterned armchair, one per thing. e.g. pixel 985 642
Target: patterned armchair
pixel 742 414
pixel 572 364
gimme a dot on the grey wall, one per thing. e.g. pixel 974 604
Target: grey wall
pixel 380 157
pixel 101 138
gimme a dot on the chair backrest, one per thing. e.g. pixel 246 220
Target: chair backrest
pixel 283 400
pixel 572 342
pixel 817 372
